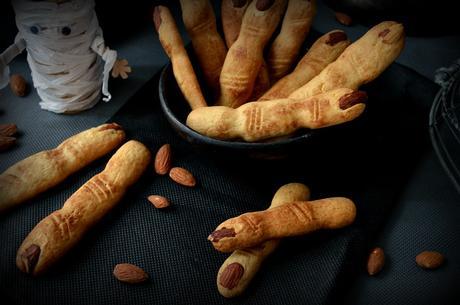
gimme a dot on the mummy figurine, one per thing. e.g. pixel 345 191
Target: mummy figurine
pixel 66 53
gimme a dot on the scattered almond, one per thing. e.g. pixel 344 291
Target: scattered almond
pixel 182 176
pixel 8 130
pixel 6 142
pixel 163 160
pixel 129 273
pixel 343 18
pixel 18 85
pixel 375 261
pixel 159 202
pixel 429 259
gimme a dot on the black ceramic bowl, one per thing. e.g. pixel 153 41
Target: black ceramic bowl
pixel 176 109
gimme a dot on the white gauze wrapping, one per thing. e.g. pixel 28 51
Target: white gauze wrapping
pixel 66 69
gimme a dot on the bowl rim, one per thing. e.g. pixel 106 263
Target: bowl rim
pixel 216 142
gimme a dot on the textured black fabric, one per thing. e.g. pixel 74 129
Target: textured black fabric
pixel 425 217
pixel 369 160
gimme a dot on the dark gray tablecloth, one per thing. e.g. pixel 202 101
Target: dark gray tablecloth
pixel 371 161
pixel 406 203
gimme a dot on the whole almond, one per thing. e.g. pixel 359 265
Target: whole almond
pixel 336 37
pixel 239 3
pixel 159 202
pixel 263 5
pixel 157 17
pixel 217 235
pixel 230 277
pixel 375 261
pixel 343 18
pixel 163 160
pixel 182 176
pixel 6 142
pixel 8 130
pixel 30 258
pixel 129 273
pixel 18 85
pixel 429 259
pixel 351 99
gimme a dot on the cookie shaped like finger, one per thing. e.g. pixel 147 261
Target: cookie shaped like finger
pixel 291 219
pixel 43 170
pixel 245 56
pixel 232 16
pixel 173 45
pixel 294 29
pixel 57 233
pixel 257 121
pixel 323 51
pixel 360 63
pixel 209 47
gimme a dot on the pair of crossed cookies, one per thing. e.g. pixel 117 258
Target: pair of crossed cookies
pixel 253 236
pixel 58 232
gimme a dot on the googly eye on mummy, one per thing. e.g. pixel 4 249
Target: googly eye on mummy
pixel 66 30
pixel 69 61
pixel 35 29
pixel 62 30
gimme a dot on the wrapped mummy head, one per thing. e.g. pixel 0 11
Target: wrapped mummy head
pixel 63 40
pixel 61 26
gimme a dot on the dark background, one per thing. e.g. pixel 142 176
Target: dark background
pixel 406 202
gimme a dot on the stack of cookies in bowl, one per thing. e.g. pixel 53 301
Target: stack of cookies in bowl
pixel 261 86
